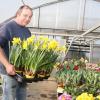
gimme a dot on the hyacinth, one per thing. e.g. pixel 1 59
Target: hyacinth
pixel 16 41
pixel 85 96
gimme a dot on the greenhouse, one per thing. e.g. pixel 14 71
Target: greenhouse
pixel 61 58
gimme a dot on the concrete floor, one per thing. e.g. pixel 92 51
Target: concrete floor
pixel 42 90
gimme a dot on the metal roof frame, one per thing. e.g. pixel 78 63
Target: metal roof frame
pixel 46 4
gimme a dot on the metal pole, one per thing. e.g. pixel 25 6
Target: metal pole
pixel 91 52
pixel 88 31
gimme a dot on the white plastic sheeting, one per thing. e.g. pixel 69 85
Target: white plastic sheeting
pixel 8 8
pixel 68 14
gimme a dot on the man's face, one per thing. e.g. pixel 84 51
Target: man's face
pixel 24 17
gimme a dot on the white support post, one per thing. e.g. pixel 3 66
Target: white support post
pixel 57 14
pixel 91 52
pixel 81 14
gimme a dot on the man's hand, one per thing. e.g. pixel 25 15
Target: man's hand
pixel 10 69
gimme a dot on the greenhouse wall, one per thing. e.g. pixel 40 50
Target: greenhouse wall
pixel 70 15
pixel 63 14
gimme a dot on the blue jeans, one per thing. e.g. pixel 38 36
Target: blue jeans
pixel 12 90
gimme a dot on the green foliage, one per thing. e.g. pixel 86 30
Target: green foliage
pixel 35 54
pixel 77 81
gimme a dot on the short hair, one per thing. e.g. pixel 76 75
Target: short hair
pixel 23 7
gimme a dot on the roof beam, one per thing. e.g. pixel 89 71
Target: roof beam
pixel 50 3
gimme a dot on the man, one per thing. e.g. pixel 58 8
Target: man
pixel 12 90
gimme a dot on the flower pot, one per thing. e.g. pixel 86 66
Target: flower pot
pixel 47 76
pixel 29 76
pixel 40 77
pixel 29 79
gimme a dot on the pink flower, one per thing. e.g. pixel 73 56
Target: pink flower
pixel 65 96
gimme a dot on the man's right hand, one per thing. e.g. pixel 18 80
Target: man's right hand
pixel 10 69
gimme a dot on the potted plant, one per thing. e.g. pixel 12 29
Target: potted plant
pixel 35 57
pixel 78 79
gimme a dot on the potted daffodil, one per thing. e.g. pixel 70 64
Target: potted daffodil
pixel 35 56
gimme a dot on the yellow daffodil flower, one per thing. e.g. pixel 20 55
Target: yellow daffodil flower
pixel 30 40
pixel 24 45
pixel 16 41
pixel 53 45
pixel 44 46
pixel 85 96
